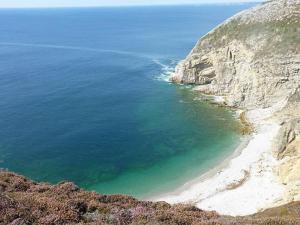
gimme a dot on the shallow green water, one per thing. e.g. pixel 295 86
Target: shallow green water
pixel 197 140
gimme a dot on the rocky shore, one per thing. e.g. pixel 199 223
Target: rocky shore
pixel 252 61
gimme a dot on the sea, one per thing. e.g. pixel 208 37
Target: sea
pixel 85 97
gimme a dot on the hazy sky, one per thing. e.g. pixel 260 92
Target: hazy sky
pixel 77 3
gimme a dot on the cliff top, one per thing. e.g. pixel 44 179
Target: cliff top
pixel 270 28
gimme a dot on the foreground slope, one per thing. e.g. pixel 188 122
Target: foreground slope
pixel 26 202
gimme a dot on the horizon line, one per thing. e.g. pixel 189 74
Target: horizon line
pixel 133 5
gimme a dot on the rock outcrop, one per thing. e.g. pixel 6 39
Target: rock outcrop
pixel 253 60
pixel 287 148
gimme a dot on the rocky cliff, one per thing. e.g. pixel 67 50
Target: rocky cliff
pixel 253 61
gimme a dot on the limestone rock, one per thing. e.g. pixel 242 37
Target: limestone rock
pixel 253 58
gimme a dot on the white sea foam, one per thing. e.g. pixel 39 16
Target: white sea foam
pixel 166 70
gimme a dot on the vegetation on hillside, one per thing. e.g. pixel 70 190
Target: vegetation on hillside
pixel 25 202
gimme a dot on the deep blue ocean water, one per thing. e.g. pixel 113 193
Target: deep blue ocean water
pixel 83 97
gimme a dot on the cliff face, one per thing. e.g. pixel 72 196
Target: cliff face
pixel 253 59
pixel 287 148
pixel 25 202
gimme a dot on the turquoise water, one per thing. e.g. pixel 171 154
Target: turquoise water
pixel 83 98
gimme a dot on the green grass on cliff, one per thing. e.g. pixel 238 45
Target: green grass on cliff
pixel 278 36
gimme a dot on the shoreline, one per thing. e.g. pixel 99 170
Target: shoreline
pixel 228 188
pixel 210 173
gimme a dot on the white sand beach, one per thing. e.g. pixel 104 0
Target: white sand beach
pixel 247 183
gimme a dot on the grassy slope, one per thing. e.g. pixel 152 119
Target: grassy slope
pixel 280 36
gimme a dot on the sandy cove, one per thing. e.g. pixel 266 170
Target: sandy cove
pixel 245 183
pixel 253 59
